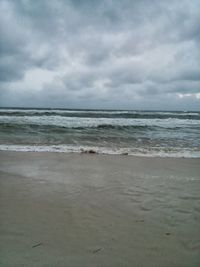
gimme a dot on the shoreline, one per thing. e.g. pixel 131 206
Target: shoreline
pixel 65 149
pixel 70 209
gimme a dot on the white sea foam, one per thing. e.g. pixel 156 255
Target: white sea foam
pixel 94 122
pixel 142 152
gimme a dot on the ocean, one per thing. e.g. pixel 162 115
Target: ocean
pixel 140 133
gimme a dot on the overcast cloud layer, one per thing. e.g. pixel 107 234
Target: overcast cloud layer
pixel 130 54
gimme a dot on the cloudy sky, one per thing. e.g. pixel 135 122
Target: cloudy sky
pixel 130 54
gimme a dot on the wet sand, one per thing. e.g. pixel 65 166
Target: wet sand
pixel 98 210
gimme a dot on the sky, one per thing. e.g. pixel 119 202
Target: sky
pixel 110 54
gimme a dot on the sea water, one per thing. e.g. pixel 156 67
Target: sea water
pixel 142 133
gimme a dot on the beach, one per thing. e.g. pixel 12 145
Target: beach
pixel 73 209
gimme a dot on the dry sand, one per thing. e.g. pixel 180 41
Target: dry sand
pixel 97 210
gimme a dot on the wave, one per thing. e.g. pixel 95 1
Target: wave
pixel 142 152
pixel 102 114
pixel 12 127
pixel 70 122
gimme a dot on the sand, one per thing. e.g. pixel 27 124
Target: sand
pixel 98 210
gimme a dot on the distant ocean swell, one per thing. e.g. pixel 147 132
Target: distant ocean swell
pixel 142 133
pixel 103 114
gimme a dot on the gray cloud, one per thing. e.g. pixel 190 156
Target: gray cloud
pixel 100 54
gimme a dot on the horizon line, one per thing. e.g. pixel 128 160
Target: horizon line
pixel 97 109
